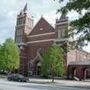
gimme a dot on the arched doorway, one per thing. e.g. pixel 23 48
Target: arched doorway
pixel 74 72
pixel 86 73
pixel 30 69
pixel 37 68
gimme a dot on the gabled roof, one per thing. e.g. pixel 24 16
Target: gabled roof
pixel 42 27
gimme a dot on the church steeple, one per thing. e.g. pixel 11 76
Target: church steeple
pixel 25 8
pixel 62 26
pixel 63 16
pixel 24 25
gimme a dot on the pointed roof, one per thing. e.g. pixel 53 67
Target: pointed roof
pixel 63 16
pixel 42 27
pixel 25 8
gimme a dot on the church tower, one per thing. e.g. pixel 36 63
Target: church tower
pixel 24 26
pixel 61 30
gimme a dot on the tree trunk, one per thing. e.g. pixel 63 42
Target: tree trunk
pixel 52 77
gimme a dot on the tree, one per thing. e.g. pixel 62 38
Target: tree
pixel 82 24
pixel 1 57
pixel 53 62
pixel 9 55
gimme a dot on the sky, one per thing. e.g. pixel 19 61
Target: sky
pixel 37 8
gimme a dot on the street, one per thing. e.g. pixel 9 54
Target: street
pixel 59 85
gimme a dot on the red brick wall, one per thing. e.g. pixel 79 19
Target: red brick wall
pixel 32 48
pixel 44 37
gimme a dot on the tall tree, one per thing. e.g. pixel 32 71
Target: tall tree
pixel 82 24
pixel 53 62
pixel 9 55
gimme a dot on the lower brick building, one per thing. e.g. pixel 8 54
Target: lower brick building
pixel 78 62
pixel 35 40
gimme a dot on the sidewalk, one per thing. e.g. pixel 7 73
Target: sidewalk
pixel 38 80
pixel 60 82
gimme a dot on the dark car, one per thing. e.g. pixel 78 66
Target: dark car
pixel 17 77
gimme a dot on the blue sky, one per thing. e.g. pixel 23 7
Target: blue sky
pixel 37 8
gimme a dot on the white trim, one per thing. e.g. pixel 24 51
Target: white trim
pixel 21 44
pixel 20 25
pixel 60 23
pixel 65 40
pixel 61 39
pixel 42 34
pixel 46 40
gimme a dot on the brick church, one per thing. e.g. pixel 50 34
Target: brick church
pixel 34 40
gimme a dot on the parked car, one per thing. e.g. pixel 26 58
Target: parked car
pixel 17 77
pixel 2 72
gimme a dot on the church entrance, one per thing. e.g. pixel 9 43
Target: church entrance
pixel 38 69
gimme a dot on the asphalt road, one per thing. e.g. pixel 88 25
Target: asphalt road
pixel 61 85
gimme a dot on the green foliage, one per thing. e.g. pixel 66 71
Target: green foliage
pixel 1 57
pixel 82 24
pixel 53 62
pixel 45 64
pixel 9 55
